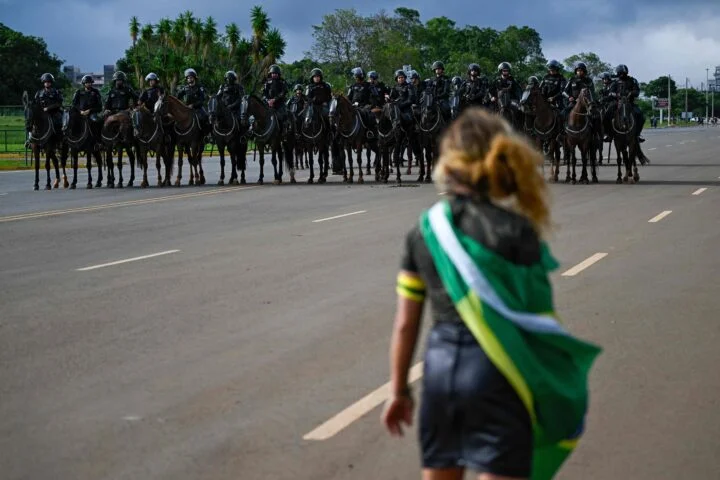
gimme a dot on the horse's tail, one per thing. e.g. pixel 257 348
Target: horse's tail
pixel 641 156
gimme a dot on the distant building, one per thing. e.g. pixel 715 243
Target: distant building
pixel 714 84
pixel 72 73
pixel 108 72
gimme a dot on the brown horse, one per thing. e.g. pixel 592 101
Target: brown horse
pixel 117 135
pixel 546 126
pixel 44 136
pixel 82 136
pixel 579 132
pixel 189 136
pixel 152 137
pixel 626 142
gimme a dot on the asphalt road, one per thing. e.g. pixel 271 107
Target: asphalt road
pixel 250 323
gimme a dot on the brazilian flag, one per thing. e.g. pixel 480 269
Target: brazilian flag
pixel 509 309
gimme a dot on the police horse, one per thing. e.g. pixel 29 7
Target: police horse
pixel 44 137
pixel 228 134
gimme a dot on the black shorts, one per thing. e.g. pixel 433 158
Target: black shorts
pixel 470 416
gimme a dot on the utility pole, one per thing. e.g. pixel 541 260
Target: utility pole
pixel 669 103
pixel 686 100
pixel 707 78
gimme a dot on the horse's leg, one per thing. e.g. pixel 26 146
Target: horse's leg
pixel 619 162
pixel 98 159
pixel 311 164
pixel 261 151
pixel 168 153
pixel 397 154
pixel 221 151
pixel 111 167
pixel 358 154
pixel 56 165
pixel 142 158
pixel 410 158
pixel 63 164
pixel 584 153
pixel 242 159
pixel 88 166
pixel 178 177
pixel 350 157
pixel 569 156
pixel 47 170
pixel 200 151
pixel 120 151
pixel 131 158
pixel 74 162
pixel 158 157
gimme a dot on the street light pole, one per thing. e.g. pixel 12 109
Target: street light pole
pixel 686 100
pixel 707 78
pixel 669 103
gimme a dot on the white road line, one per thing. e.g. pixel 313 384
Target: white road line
pixel 668 146
pixel 339 216
pixel 584 264
pixel 358 409
pixel 93 267
pixel 3 194
pixel 660 216
pixel 699 191
pixel 651 149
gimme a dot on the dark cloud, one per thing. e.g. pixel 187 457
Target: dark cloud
pixel 93 33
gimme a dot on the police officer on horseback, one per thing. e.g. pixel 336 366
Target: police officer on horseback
pixel 403 95
pixel 475 89
pixel 88 102
pixel 553 84
pixel 359 93
pixel 605 102
pixel 51 100
pixel 505 81
pixel 573 88
pixel 150 96
pixel 378 90
pixel 319 92
pixel 193 94
pixel 121 97
pixel 628 87
pixel 231 92
pixel 275 93
pixel 441 87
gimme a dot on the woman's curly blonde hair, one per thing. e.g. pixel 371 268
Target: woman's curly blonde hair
pixel 480 152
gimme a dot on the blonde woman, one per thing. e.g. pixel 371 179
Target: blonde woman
pixel 504 384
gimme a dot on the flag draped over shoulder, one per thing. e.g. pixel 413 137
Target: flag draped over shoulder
pixel 509 309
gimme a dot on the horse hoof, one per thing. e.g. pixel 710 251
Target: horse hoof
pixel 636 177
pixel 631 181
pixel 243 182
pixel 191 182
pixel 619 181
pixel 48 187
pixel 177 183
pixel 351 180
pixel 144 184
pixel 310 181
pixel 421 178
pixel 361 180
pixel 595 179
pixel 110 185
pixel 292 180
pixel 574 182
pixel 89 186
pixel 130 183
pixel 98 184
pixel 66 184
pixel 36 187
pixel 119 185
pixel 222 182
pixel 72 187
pixel 260 181
pixel 202 181
pixel 277 182
pixel 56 183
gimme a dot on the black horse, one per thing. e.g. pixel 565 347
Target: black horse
pixel 82 136
pixel 227 132
pixel 390 141
pixel 44 136
pixel 316 133
pixel 154 137
pixel 117 136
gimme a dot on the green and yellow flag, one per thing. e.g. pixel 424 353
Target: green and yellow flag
pixel 509 309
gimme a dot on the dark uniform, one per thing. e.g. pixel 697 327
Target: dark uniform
pixel 474 90
pixel 193 96
pixel 120 98
pixel 320 94
pixel 231 95
pixel 378 90
pixel 296 104
pixel 276 89
pixel 627 86
pixel 51 99
pixel 403 95
pixel 552 88
pixel 573 89
pixel 506 83
pixel 441 88
pixel 89 99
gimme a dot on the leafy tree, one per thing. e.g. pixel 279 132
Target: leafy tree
pixel 594 65
pixel 659 88
pixel 24 59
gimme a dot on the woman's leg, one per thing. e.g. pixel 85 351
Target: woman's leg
pixel 443 473
pixel 491 476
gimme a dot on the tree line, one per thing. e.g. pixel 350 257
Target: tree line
pixel 342 40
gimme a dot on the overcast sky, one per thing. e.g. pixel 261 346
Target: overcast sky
pixel 653 37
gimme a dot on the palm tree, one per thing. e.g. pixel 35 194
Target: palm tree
pixel 260 23
pixel 210 36
pixel 232 35
pixel 134 31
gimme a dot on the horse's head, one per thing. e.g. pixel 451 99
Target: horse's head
pixel 213 109
pixel 332 111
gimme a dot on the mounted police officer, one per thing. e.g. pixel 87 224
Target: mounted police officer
pixel 553 84
pixel 88 102
pixel 605 101
pixel 419 85
pixel 297 102
pixel 193 94
pixel 51 100
pixel 378 90
pixel 403 95
pixel 441 88
pixel 275 93
pixel 231 92
pixel 580 80
pixel 475 88
pixel 359 93
pixel 150 96
pixel 505 81
pixel 121 97
pixel 319 92
pixel 628 87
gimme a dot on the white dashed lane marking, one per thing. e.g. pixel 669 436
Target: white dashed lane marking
pixel 660 216
pixel 584 264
